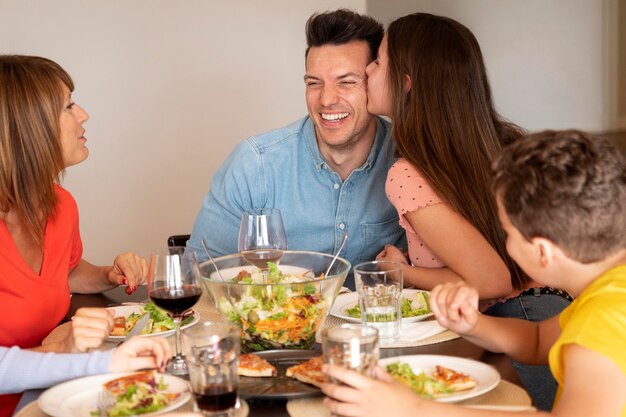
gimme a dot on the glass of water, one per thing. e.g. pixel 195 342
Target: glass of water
pixel 351 346
pixel 379 286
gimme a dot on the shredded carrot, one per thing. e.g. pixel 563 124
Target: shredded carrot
pixel 292 324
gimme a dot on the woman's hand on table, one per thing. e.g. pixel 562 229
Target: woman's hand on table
pixel 139 353
pixel 455 306
pixel 129 269
pixel 363 396
pixel 90 327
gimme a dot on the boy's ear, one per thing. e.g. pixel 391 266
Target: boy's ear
pixel 545 251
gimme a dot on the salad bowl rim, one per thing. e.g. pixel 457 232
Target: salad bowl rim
pixel 227 280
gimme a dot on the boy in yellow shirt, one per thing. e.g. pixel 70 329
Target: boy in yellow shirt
pixel 562 202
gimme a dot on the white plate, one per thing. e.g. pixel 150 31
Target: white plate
pixel 486 376
pixel 79 397
pixel 138 308
pixel 349 300
pixel 230 273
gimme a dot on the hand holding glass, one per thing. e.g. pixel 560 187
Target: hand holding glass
pixel 351 346
pixel 262 237
pixel 173 286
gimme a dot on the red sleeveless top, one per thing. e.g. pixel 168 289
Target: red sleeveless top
pixel 32 304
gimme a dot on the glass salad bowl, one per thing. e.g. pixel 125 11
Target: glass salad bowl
pixel 281 307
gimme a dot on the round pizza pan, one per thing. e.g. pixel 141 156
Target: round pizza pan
pixel 279 387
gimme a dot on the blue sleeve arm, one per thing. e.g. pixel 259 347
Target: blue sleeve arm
pixel 22 370
pixel 236 187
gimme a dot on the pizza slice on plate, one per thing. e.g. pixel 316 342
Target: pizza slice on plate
pixel 309 372
pixel 440 382
pixel 253 365
pixel 122 324
pixel 139 393
pixel 119 326
pixel 120 385
pixel 454 381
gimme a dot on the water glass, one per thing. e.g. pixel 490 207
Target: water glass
pixel 352 346
pixel 379 286
pixel 212 351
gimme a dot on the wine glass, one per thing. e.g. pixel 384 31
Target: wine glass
pixel 173 286
pixel 262 237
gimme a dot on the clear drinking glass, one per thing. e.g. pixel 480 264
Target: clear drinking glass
pixel 212 351
pixel 379 285
pixel 351 346
pixel 173 286
pixel 262 237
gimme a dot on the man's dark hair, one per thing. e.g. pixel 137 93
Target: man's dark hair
pixel 341 26
pixel 568 187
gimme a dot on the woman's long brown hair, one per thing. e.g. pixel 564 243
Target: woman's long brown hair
pixel 446 124
pixel 31 158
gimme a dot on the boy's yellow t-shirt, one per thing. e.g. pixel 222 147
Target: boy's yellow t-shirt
pixel 595 320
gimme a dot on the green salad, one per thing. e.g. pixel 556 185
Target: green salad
pixel 420 383
pixel 139 397
pixel 413 306
pixel 160 320
pixel 284 316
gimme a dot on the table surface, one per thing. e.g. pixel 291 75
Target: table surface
pixel 457 347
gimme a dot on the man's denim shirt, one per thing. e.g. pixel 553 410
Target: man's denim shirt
pixel 284 169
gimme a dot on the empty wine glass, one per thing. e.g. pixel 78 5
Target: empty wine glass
pixel 173 286
pixel 262 237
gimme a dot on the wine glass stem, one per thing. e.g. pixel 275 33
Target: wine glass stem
pixel 177 337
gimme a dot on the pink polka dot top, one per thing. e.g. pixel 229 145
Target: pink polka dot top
pixel 408 191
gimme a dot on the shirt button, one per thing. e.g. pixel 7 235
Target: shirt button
pixel 342 226
pixel 336 186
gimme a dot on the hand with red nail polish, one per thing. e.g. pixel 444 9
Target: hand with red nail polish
pixel 129 269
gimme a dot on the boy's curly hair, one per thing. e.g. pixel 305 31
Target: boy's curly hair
pixel 568 187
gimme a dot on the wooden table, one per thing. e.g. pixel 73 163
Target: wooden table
pixel 458 347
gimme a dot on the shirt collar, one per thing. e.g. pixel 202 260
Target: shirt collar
pixel 311 143
pixel 382 132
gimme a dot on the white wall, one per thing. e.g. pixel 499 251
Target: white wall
pixel 171 87
pixel 546 59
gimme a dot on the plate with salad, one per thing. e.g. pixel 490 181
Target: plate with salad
pixel 147 395
pixel 415 306
pixel 442 378
pixel 159 324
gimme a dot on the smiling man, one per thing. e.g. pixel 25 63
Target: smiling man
pixel 326 172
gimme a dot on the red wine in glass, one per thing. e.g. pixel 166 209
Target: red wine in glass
pixel 173 286
pixel 176 300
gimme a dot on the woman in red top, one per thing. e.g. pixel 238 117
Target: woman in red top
pixel 41 133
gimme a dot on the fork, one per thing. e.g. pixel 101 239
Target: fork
pixel 105 402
